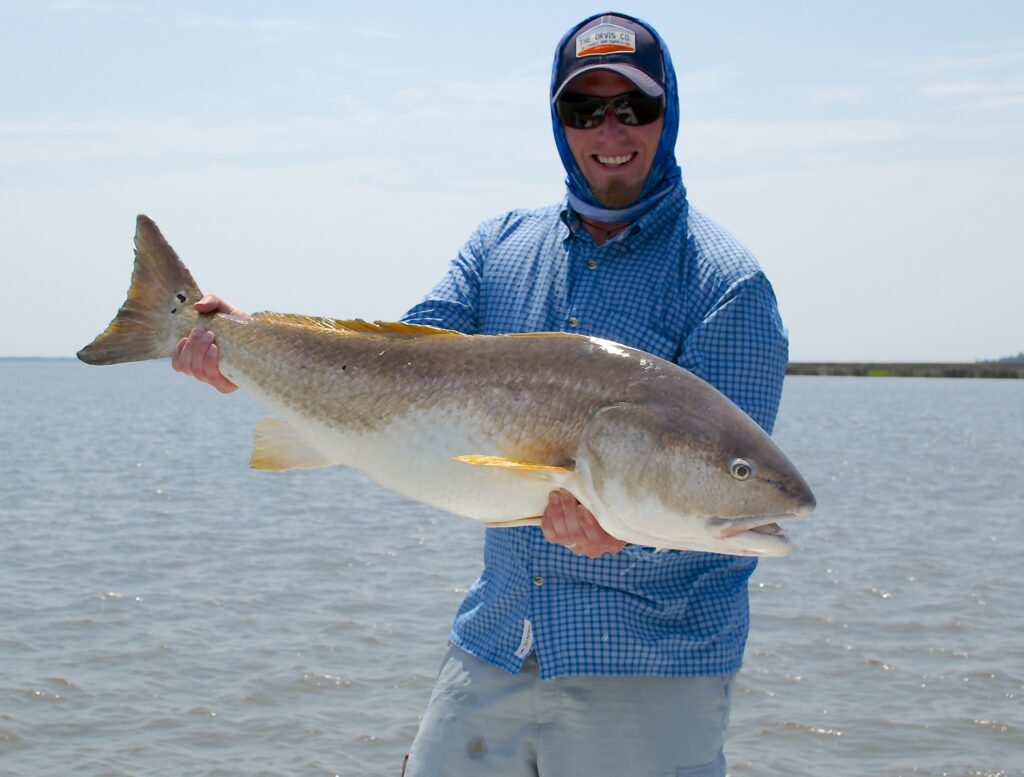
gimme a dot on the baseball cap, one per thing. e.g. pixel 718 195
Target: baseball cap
pixel 616 43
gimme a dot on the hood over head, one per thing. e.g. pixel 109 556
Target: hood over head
pixel 632 48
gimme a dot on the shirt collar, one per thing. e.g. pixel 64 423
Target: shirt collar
pixel 671 208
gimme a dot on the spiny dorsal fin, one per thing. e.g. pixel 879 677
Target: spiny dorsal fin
pixel 278 447
pixel 354 326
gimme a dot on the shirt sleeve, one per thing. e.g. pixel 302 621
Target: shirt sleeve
pixel 741 348
pixel 454 302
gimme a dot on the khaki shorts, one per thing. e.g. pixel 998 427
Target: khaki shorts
pixel 484 722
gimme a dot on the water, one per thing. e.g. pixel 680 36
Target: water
pixel 166 611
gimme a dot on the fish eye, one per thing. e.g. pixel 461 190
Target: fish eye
pixel 741 469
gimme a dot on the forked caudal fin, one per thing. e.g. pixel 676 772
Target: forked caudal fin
pixel 158 311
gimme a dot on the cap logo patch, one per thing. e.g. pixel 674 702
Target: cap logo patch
pixel 605 39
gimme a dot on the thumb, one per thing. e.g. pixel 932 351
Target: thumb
pixel 211 303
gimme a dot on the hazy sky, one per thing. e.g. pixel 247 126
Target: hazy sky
pixel 331 157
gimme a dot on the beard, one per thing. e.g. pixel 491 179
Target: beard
pixel 618 194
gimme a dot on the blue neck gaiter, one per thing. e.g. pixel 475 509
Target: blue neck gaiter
pixel 664 175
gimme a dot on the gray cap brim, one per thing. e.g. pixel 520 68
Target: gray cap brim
pixel 636 76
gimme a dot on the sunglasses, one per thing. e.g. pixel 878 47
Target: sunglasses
pixel 582 111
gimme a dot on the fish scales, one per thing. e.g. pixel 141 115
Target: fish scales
pixel 484 426
pixel 403 409
pixel 363 382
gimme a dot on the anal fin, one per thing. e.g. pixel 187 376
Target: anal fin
pixel 278 446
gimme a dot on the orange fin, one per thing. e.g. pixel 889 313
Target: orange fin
pixel 518 464
pixel 158 311
pixel 353 326
pixel 534 521
pixel 279 447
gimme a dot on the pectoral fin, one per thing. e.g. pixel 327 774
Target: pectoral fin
pixel 535 521
pixel 279 447
pixel 547 476
pixel 514 464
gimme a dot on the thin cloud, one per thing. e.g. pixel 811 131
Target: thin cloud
pixel 181 18
pixel 840 95
pixel 281 26
pixel 958 62
pixel 377 68
pixel 370 32
pixel 708 79
pixel 984 95
pixel 161 138
pixel 490 100
pixel 193 19
pixel 99 7
pixel 724 137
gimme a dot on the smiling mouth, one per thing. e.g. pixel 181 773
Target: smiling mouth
pixel 617 160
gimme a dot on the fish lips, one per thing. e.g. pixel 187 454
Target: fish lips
pixel 766 528
pixel 731 528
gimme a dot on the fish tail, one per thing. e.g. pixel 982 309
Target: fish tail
pixel 158 311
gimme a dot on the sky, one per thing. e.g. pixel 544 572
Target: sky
pixel 330 158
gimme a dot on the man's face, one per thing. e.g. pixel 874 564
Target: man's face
pixel 614 157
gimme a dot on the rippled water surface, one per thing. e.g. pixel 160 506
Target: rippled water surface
pixel 166 611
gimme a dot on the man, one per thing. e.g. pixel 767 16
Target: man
pixel 573 653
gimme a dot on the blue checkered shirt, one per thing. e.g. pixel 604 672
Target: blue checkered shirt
pixel 674 284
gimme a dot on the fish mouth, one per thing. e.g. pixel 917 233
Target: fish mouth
pixel 765 539
pixel 764 526
pixel 758 536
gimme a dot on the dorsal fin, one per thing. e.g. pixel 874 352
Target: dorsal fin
pixel 354 326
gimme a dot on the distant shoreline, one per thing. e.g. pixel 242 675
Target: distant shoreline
pixel 909 369
pixel 856 369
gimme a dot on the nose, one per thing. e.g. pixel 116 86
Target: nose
pixel 611 126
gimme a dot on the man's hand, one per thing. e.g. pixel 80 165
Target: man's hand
pixel 567 522
pixel 196 355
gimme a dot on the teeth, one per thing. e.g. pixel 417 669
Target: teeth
pixel 614 161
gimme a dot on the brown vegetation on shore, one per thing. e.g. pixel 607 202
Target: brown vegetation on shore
pixel 909 369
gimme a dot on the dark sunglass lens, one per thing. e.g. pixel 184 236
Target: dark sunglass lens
pixel 636 108
pixel 581 112
pixel 623 107
pixel 648 109
pixel 586 112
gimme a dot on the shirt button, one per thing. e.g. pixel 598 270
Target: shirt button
pixel 592 264
pixel 574 322
pixel 538 580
